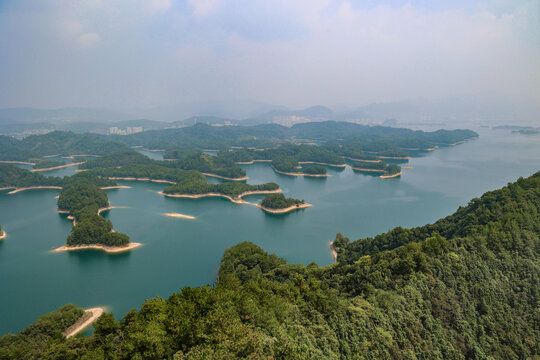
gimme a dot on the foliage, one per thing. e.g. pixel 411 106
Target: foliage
pixel 14 176
pixel 117 159
pixel 232 189
pixel 285 163
pixel 315 170
pixel 279 201
pixel 44 164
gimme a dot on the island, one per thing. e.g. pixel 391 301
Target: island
pixel 84 202
pixel 279 204
pixel 289 165
pixel 387 170
pixel 3 234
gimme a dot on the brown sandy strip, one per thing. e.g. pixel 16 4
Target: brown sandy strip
pixel 141 179
pixel 362 160
pixel 17 162
pixel 251 162
pixel 390 176
pixel 333 251
pixel 300 174
pixel 226 178
pixel 89 316
pixel 116 187
pixel 284 210
pixel 3 235
pixel 321 163
pixel 180 216
pixel 107 249
pixel 237 200
pixel 34 188
pixel 367 170
pixel 50 156
pixel 58 167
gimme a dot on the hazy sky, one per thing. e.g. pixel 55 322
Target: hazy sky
pixel 144 53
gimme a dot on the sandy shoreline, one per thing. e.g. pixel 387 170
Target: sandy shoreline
pixel 141 179
pixel 299 174
pixel 16 162
pixel 180 216
pixel 116 187
pixel 390 176
pixel 367 170
pixel 34 188
pixel 362 160
pixel 225 178
pixel 89 316
pixel 3 235
pixel 394 157
pixel 237 200
pixel 321 163
pixel 251 162
pixel 58 167
pixel 333 251
pixel 284 210
pixel 107 249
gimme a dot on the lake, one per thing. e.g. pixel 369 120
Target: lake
pixel 179 252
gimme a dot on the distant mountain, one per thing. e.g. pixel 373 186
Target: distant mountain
pixel 313 112
pixel 32 115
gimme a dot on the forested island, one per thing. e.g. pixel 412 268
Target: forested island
pixel 43 164
pixel 387 170
pixel 288 165
pixel 84 202
pixel 279 204
pixel 463 287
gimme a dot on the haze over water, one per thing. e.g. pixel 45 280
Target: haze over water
pixel 179 252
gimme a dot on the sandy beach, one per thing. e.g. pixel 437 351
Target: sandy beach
pixel 50 156
pixel 58 167
pixel 237 200
pixel 141 179
pixel 107 249
pixel 226 178
pixel 367 170
pixel 390 176
pixel 3 235
pixel 251 162
pixel 299 174
pixel 321 163
pixel 89 316
pixel 284 210
pixel 180 216
pixel 34 188
pixel 116 187
pixel 362 160
pixel 333 251
pixel 17 162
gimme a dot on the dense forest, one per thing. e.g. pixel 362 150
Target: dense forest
pixel 232 189
pixel 386 169
pixel 279 201
pixel 57 143
pixel 116 159
pixel 12 176
pixel 465 287
pixel 83 201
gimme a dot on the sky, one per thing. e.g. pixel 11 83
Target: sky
pixel 151 53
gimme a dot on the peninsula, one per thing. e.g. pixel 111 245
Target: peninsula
pixel 90 316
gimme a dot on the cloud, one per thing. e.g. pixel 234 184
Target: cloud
pixel 157 6
pixel 89 39
pixel 204 7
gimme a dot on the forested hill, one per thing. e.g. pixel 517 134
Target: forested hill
pixel 57 143
pixel 470 294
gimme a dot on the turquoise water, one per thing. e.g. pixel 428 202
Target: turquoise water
pixel 179 252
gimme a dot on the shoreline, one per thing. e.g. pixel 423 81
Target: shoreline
pixel 420 149
pixel 299 174
pixel 390 176
pixel 3 235
pixel 394 157
pixel 237 200
pixel 225 178
pixel 84 321
pixel 333 251
pixel 367 170
pixel 362 160
pixel 16 162
pixel 284 210
pixel 179 216
pixel 141 179
pixel 115 187
pixel 58 167
pixel 107 249
pixel 321 163
pixel 34 188
pixel 251 162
